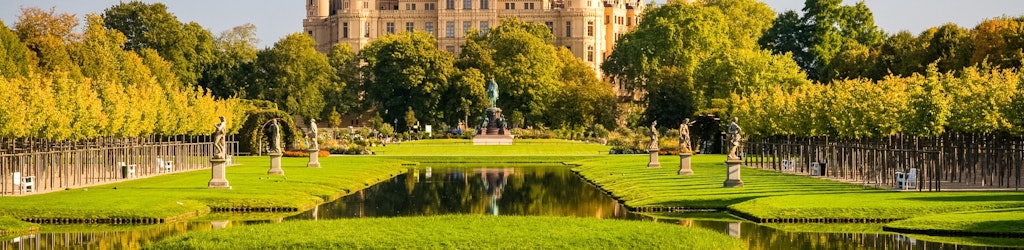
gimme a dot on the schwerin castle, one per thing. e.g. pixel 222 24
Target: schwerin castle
pixel 588 28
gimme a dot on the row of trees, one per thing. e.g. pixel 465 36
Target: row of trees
pixel 688 58
pixel 59 84
pixel 974 101
pixel 408 79
pixel 833 42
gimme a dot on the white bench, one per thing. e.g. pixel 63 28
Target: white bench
pixel 131 169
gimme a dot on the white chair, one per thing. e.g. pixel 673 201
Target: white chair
pixel 164 166
pixel 787 165
pixel 229 160
pixel 26 184
pixel 815 169
pixel 906 180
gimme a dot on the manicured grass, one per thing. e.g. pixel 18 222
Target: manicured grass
pixel 465 147
pixel 991 222
pixel 9 225
pixel 772 195
pixel 456 232
pixel 973 241
pixel 629 179
pixel 879 205
pixel 186 194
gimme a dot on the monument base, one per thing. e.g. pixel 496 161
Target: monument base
pixel 218 175
pixel 684 164
pixel 733 173
pixel 275 164
pixel 654 163
pixel 314 158
pixel 492 140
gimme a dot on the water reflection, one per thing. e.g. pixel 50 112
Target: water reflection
pixel 494 191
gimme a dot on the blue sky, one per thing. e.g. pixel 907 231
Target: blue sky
pixel 276 18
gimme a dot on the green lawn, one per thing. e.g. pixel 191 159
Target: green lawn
pixel 456 232
pixel 997 221
pixel 10 225
pixel 465 147
pixel 186 194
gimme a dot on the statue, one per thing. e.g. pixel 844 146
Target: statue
pixel 684 136
pixel 275 137
pixel 313 134
pixel 654 134
pixel 492 93
pixel 734 138
pixel 219 144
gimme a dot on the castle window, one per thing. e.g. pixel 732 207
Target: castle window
pixel 510 6
pixel 568 29
pixel 430 27
pixel 607 19
pixel 410 26
pixel 449 4
pixel 590 53
pixel 466 26
pixel 485 4
pixel 366 33
pixel 430 6
pixel 551 26
pixel 528 6
pixel 390 27
pixel 344 30
pixel 590 28
pixel 484 27
pixel 449 29
pixel 467 4
pixel 366 5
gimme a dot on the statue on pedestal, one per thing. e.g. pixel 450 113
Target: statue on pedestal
pixel 274 132
pixel 219 143
pixel 313 144
pixel 684 136
pixel 654 134
pixel 735 137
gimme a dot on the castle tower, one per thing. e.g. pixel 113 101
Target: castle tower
pixel 318 8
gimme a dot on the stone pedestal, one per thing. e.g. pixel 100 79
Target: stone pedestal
pixel 314 158
pixel 275 164
pixel 218 178
pixel 684 164
pixel 733 168
pixel 654 158
pixel 494 130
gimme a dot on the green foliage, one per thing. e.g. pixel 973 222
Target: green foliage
pixel 986 221
pixel 17 57
pixel 409 73
pixel 523 68
pixel 251 136
pixel 293 75
pixel 342 95
pixel 188 47
pixel 461 147
pixel 233 59
pixel 972 101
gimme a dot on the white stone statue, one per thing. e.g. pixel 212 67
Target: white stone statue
pixel 654 134
pixel 684 136
pixel 275 137
pixel 219 143
pixel 313 134
pixel 735 137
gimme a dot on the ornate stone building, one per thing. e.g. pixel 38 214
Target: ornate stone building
pixel 588 28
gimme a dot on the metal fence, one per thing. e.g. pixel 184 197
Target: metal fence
pixel 952 161
pixel 37 166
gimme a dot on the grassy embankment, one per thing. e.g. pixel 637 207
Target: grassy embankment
pixel 456 232
pixel 771 196
pixel 182 195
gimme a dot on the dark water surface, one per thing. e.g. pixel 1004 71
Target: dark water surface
pixel 541 191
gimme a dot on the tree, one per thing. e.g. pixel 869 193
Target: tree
pixel 998 42
pixel 949 46
pixel 47 34
pixel 819 35
pixel 465 97
pixel 188 47
pixel 523 68
pixel 476 53
pixel 292 74
pixel 17 60
pixel 584 100
pixel 234 55
pixel 407 71
pixel 342 95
